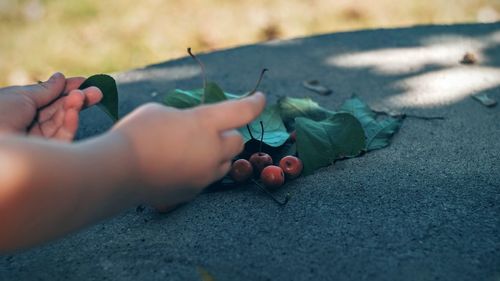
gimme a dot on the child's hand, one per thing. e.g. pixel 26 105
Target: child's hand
pixel 49 109
pixel 179 152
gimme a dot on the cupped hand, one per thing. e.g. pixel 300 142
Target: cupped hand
pixel 48 109
pixel 179 152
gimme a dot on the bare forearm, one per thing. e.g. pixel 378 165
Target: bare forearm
pixel 48 189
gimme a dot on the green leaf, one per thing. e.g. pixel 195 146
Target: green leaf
pixel 213 93
pixel 358 108
pixel 275 133
pixel 378 136
pixel 107 85
pixel 320 143
pixel 184 99
pixel 290 108
pixel 377 133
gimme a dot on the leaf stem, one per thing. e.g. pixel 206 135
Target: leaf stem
pixel 258 81
pixel 261 135
pixel 203 73
pixel 263 189
pixel 250 132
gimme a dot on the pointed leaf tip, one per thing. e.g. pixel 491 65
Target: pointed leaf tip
pixel 377 133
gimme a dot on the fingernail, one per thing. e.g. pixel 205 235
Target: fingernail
pixel 54 76
pixel 259 95
pixel 79 92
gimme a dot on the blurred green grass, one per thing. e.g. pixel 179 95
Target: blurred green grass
pixel 90 36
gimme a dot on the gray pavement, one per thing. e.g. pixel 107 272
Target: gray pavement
pixel 425 208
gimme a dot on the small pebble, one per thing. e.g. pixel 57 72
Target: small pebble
pixel 469 58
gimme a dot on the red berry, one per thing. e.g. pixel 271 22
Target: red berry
pixel 292 166
pixel 241 170
pixel 260 160
pixel 272 176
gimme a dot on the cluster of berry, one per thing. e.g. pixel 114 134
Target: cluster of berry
pixel 260 164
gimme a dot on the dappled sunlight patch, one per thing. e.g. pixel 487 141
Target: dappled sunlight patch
pixel 434 74
pixel 444 86
pixel 457 41
pixel 393 61
pixel 401 60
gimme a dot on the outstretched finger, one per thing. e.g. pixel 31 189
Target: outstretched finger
pixel 93 95
pixel 234 113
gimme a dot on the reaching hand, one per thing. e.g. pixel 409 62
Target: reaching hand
pixel 179 152
pixel 49 109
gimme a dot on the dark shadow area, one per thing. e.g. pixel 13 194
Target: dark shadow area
pixel 425 208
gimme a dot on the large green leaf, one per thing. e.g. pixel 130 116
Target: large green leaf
pixel 290 108
pixel 107 85
pixel 275 133
pixel 377 132
pixel 320 143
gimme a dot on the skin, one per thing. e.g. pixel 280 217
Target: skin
pixel 50 187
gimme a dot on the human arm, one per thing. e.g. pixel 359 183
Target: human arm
pixel 50 188
pixel 155 155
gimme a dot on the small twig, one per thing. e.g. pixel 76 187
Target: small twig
pixel 263 189
pixel 404 115
pixel 203 73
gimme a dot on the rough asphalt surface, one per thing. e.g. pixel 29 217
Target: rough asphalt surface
pixel 425 208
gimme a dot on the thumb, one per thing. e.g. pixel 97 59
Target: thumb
pixel 46 92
